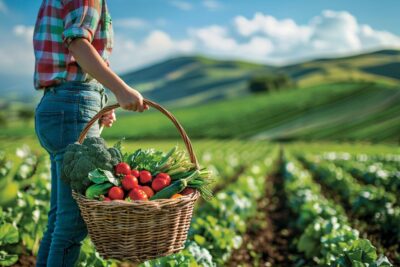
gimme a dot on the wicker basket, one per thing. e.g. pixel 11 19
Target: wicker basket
pixel 138 230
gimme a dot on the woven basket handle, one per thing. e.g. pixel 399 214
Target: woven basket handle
pixel 182 132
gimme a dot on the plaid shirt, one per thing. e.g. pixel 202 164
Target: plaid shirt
pixel 57 24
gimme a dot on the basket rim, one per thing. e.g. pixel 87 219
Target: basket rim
pixel 142 203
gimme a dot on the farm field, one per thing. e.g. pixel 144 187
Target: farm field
pixel 294 204
pixel 344 111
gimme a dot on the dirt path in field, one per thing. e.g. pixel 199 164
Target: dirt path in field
pixel 368 230
pixel 268 238
pixel 25 260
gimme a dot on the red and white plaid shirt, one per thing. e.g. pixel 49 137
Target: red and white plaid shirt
pixel 57 24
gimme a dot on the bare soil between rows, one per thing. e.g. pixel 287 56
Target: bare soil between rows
pixel 268 240
pixel 383 242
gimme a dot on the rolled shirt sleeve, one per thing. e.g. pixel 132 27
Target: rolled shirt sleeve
pixel 81 18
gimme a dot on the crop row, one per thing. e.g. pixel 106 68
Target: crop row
pixel 383 174
pixel 23 216
pixel 218 226
pixel 27 196
pixel 326 237
pixel 366 202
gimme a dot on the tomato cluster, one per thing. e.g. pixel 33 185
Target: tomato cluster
pixel 135 184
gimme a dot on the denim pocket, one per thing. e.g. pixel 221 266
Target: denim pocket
pixel 50 128
pixel 89 104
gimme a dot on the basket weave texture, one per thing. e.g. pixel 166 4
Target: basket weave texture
pixel 138 230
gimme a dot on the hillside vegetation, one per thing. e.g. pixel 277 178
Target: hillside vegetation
pixel 336 111
pixel 193 80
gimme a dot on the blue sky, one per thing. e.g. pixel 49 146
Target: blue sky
pixel 270 32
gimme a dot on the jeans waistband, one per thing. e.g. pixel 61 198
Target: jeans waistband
pixel 92 85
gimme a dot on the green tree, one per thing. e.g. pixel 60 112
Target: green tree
pixel 26 114
pixel 268 83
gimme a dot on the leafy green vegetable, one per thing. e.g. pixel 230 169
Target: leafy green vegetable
pixel 7 259
pixel 145 159
pixel 95 190
pixel 80 159
pixel 8 234
pixel 99 176
pixel 360 253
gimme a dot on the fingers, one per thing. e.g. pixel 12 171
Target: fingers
pixel 140 106
pixel 108 118
pixel 107 123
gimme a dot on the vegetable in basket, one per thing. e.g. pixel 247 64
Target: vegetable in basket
pixel 173 171
pixel 103 180
pixel 80 159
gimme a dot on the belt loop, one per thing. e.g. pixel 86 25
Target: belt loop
pixel 104 97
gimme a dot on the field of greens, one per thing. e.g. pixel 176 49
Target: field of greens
pixel 344 111
pixel 299 204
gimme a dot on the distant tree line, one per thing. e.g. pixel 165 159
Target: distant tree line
pixel 270 83
pixel 25 114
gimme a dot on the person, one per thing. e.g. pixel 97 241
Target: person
pixel 72 42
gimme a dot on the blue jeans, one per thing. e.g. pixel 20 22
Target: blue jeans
pixel 60 116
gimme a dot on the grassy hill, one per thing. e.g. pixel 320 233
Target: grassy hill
pixel 382 66
pixel 191 80
pixel 349 98
pixel 337 111
pixel 345 111
pixel 187 81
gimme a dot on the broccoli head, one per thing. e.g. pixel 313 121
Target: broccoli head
pixel 80 159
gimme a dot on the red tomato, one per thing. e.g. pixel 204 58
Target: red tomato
pixel 164 176
pixel 188 191
pixel 116 192
pixel 129 182
pixel 137 194
pixel 159 183
pixel 147 189
pixel 135 173
pixel 145 177
pixel 107 199
pixel 122 168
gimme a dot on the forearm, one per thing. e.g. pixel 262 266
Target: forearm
pixel 92 63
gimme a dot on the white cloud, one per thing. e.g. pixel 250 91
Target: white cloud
pixel 215 40
pixel 16 51
pixel 183 5
pixel 157 45
pixel 330 33
pixel 261 38
pixel 214 37
pixel 270 26
pixel 3 7
pixel 334 31
pixel 24 32
pixel 212 4
pixel 131 23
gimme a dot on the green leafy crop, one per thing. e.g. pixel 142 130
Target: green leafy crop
pixel 80 159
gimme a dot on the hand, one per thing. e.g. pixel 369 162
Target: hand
pixel 108 119
pixel 130 99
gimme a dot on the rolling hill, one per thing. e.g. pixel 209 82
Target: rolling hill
pixel 349 98
pixel 345 111
pixel 194 80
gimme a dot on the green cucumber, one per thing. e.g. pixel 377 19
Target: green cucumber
pixel 182 175
pixel 96 190
pixel 167 192
pixel 175 188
